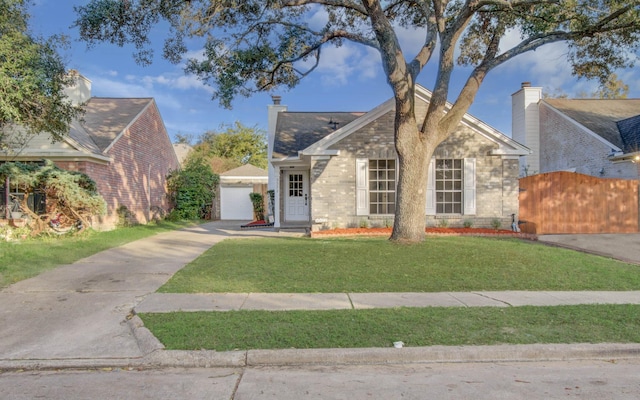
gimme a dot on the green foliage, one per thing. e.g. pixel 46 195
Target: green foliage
pixel 32 76
pixel 72 194
pixel 125 217
pixel 192 190
pixel 258 205
pixel 468 223
pixel 496 223
pixel 232 147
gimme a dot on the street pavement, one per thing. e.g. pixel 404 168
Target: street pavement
pixel 83 315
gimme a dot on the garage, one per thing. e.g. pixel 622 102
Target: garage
pixel 235 187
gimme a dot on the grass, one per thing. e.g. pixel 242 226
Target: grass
pixel 242 330
pixel 27 258
pixel 357 265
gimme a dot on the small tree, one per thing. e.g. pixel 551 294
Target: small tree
pixel 70 196
pixel 258 206
pixel 192 189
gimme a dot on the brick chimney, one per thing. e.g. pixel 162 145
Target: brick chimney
pixel 525 124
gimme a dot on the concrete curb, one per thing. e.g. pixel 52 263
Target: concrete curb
pixel 351 356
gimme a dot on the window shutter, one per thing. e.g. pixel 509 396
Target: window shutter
pixel 431 189
pixel 469 186
pixel 362 186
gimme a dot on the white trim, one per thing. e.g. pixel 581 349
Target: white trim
pixel 362 186
pixel 431 188
pixel 469 187
pixel 321 147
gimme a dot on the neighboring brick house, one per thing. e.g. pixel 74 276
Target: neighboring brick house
pixel 122 144
pixel 598 137
pixel 338 169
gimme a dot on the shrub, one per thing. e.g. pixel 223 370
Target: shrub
pixel 496 223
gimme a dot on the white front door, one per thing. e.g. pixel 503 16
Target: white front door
pixel 296 196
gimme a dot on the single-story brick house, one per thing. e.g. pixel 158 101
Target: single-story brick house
pixel 597 137
pixel 122 144
pixel 338 169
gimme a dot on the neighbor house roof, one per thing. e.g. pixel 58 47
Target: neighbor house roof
pixel 600 116
pixel 630 131
pixel 295 131
pixel 106 118
pixel 246 170
pixel 104 121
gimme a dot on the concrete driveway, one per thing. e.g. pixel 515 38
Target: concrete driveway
pixel 621 246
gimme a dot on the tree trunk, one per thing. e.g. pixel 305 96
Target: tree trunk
pixel 414 155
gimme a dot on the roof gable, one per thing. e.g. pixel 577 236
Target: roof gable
pixel 600 116
pixel 106 118
pixel 506 145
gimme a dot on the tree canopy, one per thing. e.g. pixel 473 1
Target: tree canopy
pixel 233 146
pixel 32 76
pixel 258 45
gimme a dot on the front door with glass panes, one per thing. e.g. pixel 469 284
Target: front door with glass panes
pixel 296 196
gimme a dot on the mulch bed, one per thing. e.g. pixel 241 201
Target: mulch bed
pixel 429 231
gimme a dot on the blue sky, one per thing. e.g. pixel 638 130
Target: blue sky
pixel 349 79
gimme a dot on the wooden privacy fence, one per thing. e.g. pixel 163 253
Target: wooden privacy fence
pixel 567 202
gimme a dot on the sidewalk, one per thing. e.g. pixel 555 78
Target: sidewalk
pixel 170 302
pixel 83 315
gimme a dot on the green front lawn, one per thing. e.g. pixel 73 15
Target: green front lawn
pixel 27 258
pixel 242 330
pixel 303 265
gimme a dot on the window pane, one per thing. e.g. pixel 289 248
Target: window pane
pixel 382 186
pixel 448 186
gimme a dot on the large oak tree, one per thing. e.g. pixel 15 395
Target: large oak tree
pixel 257 45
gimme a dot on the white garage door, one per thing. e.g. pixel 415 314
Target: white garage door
pixel 235 203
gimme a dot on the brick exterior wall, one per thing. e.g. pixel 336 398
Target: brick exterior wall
pixel 333 186
pixel 564 146
pixel 136 178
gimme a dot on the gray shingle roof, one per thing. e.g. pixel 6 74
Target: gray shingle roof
pixel 296 131
pixel 599 115
pixel 630 131
pixel 106 118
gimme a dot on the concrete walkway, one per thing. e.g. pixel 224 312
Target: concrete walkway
pixel 170 302
pixel 83 315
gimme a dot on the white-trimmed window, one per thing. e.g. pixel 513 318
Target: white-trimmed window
pixel 382 187
pixel 449 186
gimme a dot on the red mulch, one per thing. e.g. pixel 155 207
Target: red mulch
pixel 429 231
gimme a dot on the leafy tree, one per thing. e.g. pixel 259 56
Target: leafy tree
pixel 239 144
pixel 70 196
pixel 257 45
pixel 192 189
pixel 612 88
pixel 32 77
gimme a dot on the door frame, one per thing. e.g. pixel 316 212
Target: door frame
pixel 304 198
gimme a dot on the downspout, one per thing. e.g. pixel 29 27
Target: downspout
pixel 149 193
pixel 7 212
